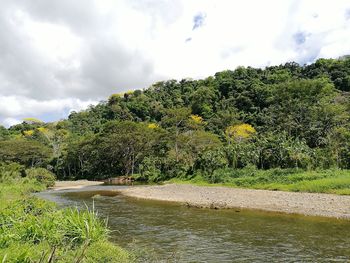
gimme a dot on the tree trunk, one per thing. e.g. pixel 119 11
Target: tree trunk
pixel 132 163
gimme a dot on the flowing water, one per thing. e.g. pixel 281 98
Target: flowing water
pixel 171 232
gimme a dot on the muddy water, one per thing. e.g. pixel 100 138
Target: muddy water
pixel 171 232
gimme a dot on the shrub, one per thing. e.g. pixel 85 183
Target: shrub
pixel 210 161
pixel 149 170
pixel 42 175
pixel 10 171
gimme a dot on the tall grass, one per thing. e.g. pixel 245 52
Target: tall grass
pixel 34 230
pixel 83 227
pixel 297 180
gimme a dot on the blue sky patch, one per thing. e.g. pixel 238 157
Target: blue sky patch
pixel 310 57
pixel 198 20
pixel 299 38
pixel 347 14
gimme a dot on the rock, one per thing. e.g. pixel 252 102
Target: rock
pixel 121 180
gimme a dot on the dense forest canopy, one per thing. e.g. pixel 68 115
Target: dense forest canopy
pixel 286 116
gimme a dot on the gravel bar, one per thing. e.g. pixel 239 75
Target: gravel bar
pixel 78 184
pixel 311 204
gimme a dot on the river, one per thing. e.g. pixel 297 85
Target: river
pixel 170 232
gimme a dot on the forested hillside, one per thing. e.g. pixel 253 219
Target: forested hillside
pixel 286 116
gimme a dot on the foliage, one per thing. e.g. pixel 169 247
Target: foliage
pixel 153 126
pixel 240 132
pixel 26 152
pixel 34 230
pixel 10 172
pixel 32 120
pixel 296 180
pixel 196 118
pixel 81 227
pixel 210 161
pixel 42 175
pixel 285 116
pixel 28 133
pixel 150 170
pixel 4 133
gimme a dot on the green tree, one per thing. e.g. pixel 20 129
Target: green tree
pixel 210 161
pixel 4 133
pixel 26 152
pixel 194 143
pixel 176 121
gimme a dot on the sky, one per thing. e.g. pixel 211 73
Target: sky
pixel 60 56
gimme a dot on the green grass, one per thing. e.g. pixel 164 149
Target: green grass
pixel 17 189
pixel 34 230
pixel 323 181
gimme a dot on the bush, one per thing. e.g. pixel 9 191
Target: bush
pixel 210 161
pixel 10 171
pixel 42 175
pixel 149 170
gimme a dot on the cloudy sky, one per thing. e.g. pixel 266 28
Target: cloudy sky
pixel 63 55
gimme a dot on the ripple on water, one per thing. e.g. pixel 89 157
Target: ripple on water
pixel 204 235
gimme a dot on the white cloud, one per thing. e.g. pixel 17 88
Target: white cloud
pixel 14 108
pixel 7 122
pixel 64 52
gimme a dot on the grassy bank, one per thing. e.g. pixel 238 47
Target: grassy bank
pixel 296 180
pixel 34 230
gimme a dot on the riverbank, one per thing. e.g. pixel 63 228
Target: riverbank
pixel 311 204
pixel 65 185
pixel 35 230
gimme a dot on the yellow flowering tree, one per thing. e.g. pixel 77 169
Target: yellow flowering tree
pixel 114 98
pixel 28 133
pixel 240 132
pixel 236 136
pixel 153 126
pixel 32 121
pixel 196 118
pixel 44 130
pixel 196 122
